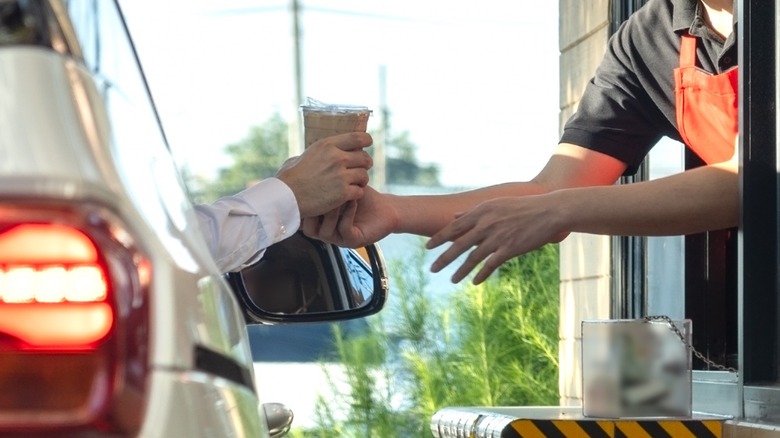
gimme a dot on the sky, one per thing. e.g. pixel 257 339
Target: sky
pixel 474 83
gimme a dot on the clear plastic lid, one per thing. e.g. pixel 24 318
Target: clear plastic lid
pixel 316 105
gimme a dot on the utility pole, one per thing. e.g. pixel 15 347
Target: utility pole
pixel 296 127
pixel 379 179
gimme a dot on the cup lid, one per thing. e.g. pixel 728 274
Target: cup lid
pixel 316 105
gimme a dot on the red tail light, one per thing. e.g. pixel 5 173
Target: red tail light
pixel 73 321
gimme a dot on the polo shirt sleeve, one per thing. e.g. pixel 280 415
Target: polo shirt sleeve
pixel 621 112
pixel 239 228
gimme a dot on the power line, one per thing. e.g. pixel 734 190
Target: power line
pixel 364 14
pixel 409 19
pixel 245 11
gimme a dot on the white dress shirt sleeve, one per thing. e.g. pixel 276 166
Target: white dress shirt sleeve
pixel 239 228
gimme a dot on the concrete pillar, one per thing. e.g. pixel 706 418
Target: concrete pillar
pixel 585 259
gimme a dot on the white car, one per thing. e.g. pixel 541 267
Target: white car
pixel 114 320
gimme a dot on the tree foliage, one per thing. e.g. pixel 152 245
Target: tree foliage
pixel 403 166
pixel 495 344
pixel 257 156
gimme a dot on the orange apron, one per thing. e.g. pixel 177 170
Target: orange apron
pixel 706 106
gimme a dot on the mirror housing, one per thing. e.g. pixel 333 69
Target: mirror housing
pixel 305 280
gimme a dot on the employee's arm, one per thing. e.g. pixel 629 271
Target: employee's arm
pixel 701 199
pixel 376 214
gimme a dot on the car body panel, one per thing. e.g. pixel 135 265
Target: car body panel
pixel 192 404
pixel 63 138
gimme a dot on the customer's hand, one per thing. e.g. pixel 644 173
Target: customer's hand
pixel 329 173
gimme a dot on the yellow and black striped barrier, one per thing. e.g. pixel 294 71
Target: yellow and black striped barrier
pixel 564 422
pixel 687 428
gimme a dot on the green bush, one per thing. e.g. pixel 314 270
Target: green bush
pixel 495 344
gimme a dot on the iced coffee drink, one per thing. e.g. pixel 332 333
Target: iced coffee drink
pixel 322 120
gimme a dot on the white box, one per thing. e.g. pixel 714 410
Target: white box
pixel 636 368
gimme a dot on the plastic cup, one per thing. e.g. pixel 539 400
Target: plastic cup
pixel 322 120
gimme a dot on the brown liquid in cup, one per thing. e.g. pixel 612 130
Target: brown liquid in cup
pixel 320 124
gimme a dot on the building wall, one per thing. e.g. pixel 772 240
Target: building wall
pixel 585 259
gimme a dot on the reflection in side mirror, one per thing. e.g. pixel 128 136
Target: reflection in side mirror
pixel 302 279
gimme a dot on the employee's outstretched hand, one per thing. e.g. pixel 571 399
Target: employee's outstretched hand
pixel 329 173
pixel 358 223
pixel 497 230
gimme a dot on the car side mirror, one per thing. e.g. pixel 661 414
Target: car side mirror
pixel 304 280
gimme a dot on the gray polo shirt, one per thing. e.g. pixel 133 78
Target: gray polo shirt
pixel 630 104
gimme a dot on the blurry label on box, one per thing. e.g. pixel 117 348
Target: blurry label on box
pixel 636 368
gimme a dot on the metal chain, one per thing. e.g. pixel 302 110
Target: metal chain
pixel 688 345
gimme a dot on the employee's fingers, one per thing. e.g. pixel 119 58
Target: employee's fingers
pixel 483 252
pixel 491 264
pixel 448 233
pixel 458 247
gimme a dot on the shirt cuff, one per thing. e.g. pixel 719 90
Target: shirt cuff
pixel 274 203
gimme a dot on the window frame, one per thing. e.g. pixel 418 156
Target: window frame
pixel 754 392
pixel 629 253
pixel 758 247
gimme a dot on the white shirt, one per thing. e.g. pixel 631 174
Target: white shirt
pixel 239 228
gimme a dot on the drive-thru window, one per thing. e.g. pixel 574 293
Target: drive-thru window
pixel 726 282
